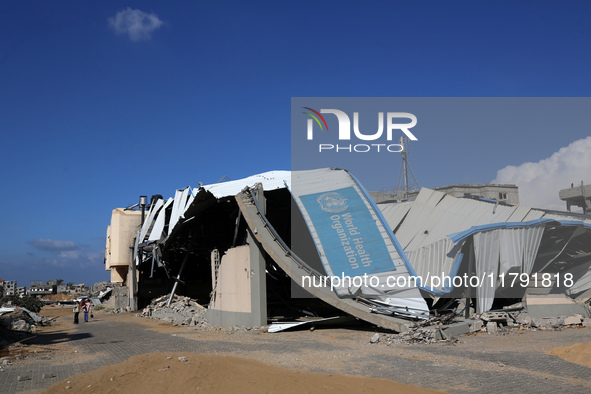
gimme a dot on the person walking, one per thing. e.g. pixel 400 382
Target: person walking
pixel 85 308
pixel 76 312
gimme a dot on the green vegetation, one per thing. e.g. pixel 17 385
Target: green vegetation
pixel 31 303
pixel 99 308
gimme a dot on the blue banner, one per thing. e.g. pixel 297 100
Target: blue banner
pixel 348 233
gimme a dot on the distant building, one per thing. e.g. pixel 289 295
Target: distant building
pixel 42 290
pixel 21 291
pixel 502 193
pixel 578 196
pixel 80 288
pixel 10 287
pixel 506 193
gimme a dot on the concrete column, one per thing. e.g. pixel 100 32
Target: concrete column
pixel 258 276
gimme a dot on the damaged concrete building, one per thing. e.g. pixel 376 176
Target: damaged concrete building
pixel 284 245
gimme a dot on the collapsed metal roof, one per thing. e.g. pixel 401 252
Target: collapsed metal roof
pixel 436 234
pixel 499 239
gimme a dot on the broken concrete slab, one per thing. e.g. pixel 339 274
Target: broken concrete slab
pixel 475 325
pixel 455 330
pixel 495 316
pixel 554 305
pixel 573 320
pixel 492 328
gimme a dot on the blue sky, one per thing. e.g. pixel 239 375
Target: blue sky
pixel 97 110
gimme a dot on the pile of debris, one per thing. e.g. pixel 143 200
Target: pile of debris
pixel 447 328
pixel 181 311
pixel 17 324
pixel 439 328
pixel 21 319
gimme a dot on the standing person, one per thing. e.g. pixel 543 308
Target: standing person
pixel 76 312
pixel 85 307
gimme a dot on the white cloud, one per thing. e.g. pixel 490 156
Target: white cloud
pixel 540 182
pixel 52 245
pixel 136 23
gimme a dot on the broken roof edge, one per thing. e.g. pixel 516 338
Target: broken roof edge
pixel 456 237
pixel 271 180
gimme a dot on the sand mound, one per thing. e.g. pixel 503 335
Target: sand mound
pixel 579 353
pixel 163 372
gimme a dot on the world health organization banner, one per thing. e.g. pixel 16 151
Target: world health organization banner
pixel 347 232
pixel 356 252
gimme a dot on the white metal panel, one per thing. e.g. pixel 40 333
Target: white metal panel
pixel 519 247
pixel 521 212
pixel 531 245
pixel 486 253
pixel 525 214
pixel 394 213
pixel 454 214
pixel 178 207
pixel 158 229
pixel 149 221
pixel 418 216
pixel 434 260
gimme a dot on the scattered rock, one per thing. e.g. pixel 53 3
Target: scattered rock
pixel 182 359
pixel 375 338
pixel 20 325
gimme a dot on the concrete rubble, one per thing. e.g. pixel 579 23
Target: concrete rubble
pixel 18 323
pixel 181 311
pixel 449 327
pixel 444 328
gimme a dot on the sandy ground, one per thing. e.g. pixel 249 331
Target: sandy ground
pixel 160 372
pixel 281 372
pixel 579 353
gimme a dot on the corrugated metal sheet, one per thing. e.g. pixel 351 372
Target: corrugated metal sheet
pixel 435 215
pixel 158 229
pixel 507 236
pixel 436 259
pixel 519 247
pixel 149 221
pixel 486 252
pixel 395 213
pixel 178 207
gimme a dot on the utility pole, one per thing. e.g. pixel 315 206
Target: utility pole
pixel 406 175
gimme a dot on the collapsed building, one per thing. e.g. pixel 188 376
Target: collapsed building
pixel 282 245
